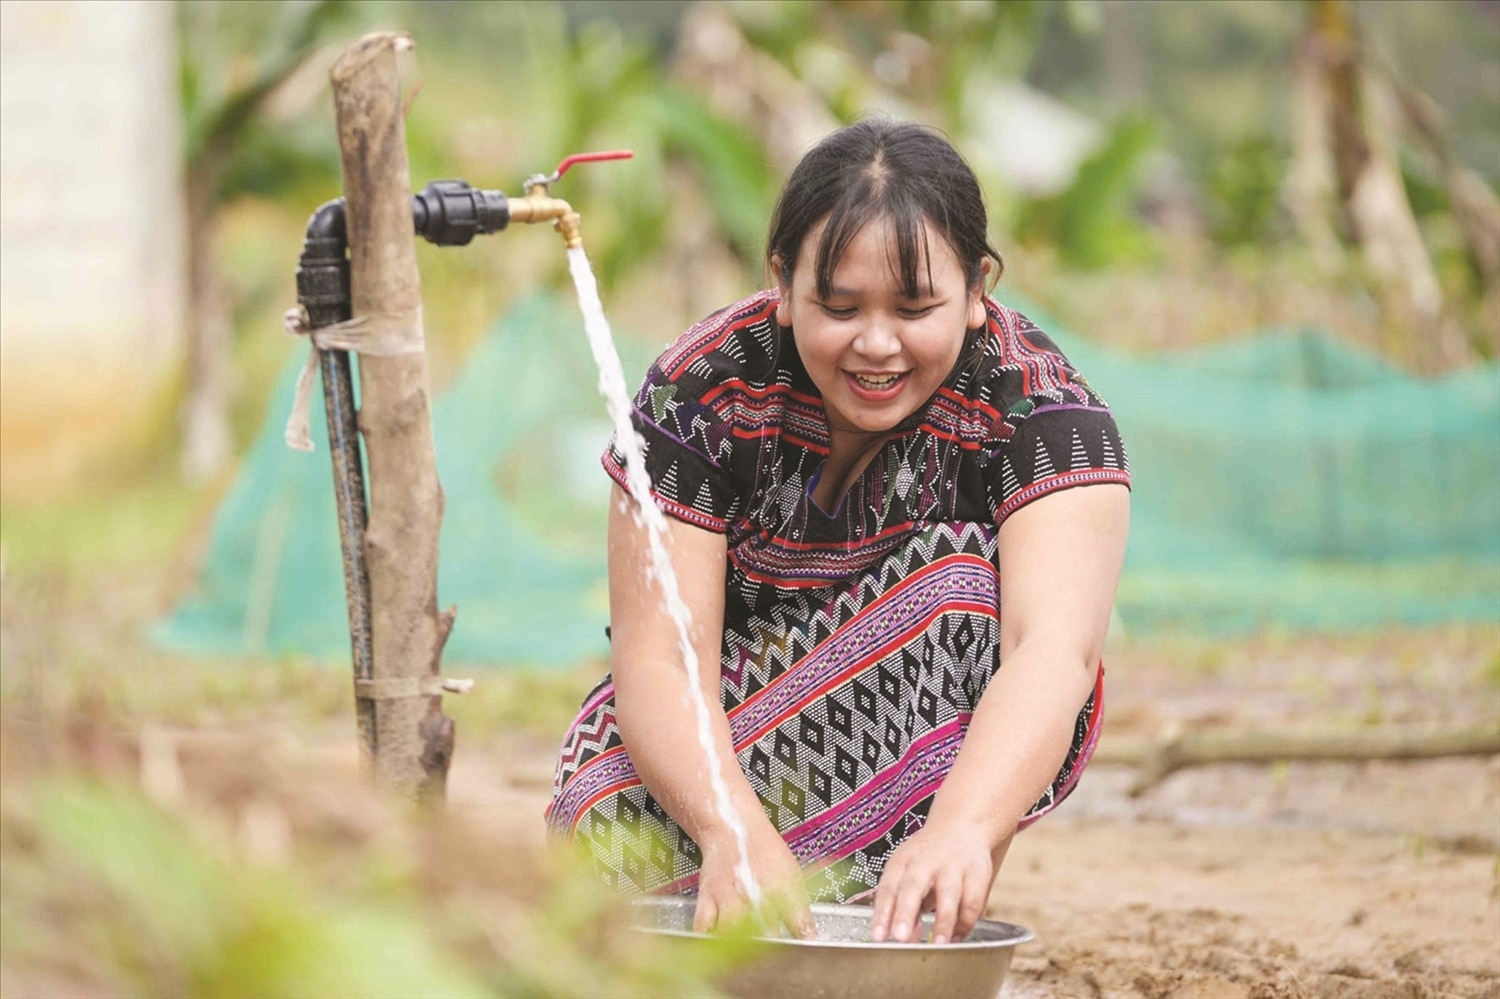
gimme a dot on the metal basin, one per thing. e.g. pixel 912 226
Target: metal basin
pixel 844 962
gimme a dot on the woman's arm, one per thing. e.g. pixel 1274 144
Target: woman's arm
pixel 1060 559
pixel 658 723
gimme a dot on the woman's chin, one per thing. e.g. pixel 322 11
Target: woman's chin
pixel 868 419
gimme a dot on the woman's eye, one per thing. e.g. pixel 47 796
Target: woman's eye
pixel 915 313
pixel 839 313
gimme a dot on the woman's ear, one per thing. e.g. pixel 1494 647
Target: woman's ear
pixel 977 316
pixel 783 285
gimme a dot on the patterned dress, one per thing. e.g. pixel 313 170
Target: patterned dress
pixel 857 641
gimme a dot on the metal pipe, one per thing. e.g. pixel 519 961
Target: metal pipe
pixel 323 290
pixel 541 208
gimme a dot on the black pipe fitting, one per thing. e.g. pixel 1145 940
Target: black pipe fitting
pixel 445 212
pixel 323 270
pixel 451 213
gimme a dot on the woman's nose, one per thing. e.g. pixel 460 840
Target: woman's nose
pixel 877 340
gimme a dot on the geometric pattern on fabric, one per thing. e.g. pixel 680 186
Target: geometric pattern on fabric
pixel 735 438
pixel 847 710
pixel 856 641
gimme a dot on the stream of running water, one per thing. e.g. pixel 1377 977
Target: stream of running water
pixel 649 515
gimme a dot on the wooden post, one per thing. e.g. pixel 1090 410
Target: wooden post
pixel 413 740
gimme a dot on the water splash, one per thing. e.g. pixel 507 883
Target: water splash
pixel 648 514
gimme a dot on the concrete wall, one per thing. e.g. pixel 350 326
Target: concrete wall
pixel 91 233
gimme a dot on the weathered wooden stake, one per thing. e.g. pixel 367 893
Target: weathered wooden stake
pixel 412 739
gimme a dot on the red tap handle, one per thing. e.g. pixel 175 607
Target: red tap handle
pixel 614 154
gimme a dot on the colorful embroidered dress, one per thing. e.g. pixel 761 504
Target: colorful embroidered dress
pixel 857 641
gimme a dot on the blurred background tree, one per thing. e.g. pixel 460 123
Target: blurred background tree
pixel 230 150
pixel 1158 176
pixel 1120 143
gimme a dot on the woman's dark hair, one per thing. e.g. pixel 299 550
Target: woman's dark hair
pixel 882 169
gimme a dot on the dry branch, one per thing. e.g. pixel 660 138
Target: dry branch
pixel 413 739
pixel 1159 758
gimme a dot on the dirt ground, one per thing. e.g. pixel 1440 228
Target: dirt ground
pixel 1372 879
pixel 1333 880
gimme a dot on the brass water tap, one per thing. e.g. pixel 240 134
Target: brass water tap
pixel 539 206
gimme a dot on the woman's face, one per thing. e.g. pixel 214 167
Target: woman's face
pixel 876 355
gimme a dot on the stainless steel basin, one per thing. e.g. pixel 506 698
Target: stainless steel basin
pixel 844 962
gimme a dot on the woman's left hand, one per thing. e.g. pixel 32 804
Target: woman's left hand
pixel 945 868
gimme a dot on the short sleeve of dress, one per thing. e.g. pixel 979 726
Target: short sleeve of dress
pixel 1054 431
pixel 687 449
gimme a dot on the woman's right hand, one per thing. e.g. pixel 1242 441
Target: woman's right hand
pixel 723 898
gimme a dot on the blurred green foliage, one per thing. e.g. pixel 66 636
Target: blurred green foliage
pixel 149 908
pixel 1244 192
pixel 253 884
pixel 231 57
pixel 1192 103
pixel 1094 222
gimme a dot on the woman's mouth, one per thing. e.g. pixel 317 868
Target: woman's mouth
pixel 876 386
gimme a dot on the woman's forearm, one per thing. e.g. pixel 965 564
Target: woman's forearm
pixel 660 729
pixel 658 721
pixel 1017 741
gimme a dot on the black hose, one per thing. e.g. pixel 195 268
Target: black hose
pixel 323 291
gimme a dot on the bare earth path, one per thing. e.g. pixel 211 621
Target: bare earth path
pixel 1125 905
pixel 1152 908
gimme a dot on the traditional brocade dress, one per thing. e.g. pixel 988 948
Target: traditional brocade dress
pixel 857 641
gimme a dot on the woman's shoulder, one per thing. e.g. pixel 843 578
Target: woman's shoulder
pixel 1019 360
pixel 1013 339
pixel 1051 430
pixel 736 342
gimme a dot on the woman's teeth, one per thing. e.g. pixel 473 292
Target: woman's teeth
pixel 876 382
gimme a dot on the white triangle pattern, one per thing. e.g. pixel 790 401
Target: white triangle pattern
pixel 667 485
pixel 1008 480
pixel 1043 462
pixel 1079 458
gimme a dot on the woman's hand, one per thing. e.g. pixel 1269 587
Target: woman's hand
pixel 723 898
pixel 946 868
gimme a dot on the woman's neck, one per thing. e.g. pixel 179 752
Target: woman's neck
pixel 849 454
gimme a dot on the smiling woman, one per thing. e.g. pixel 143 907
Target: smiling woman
pixel 876 349
pixel 862 466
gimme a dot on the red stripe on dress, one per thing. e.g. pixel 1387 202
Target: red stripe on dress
pixel 688 514
pixel 769 392
pixel 916 753
pixel 1063 480
pixel 871 659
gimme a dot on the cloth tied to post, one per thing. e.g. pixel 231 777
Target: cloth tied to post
pixel 378 334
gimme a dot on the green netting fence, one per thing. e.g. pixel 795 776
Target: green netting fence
pixel 1283 481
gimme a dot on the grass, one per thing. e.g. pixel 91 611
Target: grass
pixel 249 873
pixel 141 525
